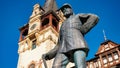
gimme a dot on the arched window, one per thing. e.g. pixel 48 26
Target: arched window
pixel 45 23
pixel 32 65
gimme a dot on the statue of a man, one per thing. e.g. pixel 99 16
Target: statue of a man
pixel 71 46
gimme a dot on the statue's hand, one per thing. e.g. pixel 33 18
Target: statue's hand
pixel 46 56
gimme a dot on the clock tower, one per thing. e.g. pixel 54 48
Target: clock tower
pixel 39 35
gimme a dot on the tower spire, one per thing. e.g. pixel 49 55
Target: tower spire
pixel 50 5
pixel 105 38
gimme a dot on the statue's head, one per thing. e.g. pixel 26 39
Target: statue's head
pixel 67 10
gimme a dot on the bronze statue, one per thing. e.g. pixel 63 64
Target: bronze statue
pixel 71 46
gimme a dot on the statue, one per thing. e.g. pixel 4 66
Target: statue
pixel 71 46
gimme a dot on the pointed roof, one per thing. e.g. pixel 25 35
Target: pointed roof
pixel 50 5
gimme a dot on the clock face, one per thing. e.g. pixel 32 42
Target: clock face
pixel 33 26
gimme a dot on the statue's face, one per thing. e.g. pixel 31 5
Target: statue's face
pixel 67 12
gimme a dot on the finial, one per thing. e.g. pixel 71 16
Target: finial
pixel 105 38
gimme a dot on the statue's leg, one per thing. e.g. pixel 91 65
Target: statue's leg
pixel 79 59
pixel 60 61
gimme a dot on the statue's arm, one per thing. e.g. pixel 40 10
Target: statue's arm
pixel 88 22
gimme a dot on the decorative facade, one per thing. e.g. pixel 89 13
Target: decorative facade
pixel 39 35
pixel 108 56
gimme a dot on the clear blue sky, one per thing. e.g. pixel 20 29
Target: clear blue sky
pixel 15 13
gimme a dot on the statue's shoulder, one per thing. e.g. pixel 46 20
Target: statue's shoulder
pixel 76 16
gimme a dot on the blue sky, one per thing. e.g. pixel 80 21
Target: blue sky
pixel 15 13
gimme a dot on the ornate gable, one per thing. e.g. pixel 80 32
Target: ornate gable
pixel 106 46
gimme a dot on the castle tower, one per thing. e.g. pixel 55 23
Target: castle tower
pixel 39 35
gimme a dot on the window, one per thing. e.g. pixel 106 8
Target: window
pixel 96 63
pixel 24 33
pixel 91 65
pixel 115 55
pixel 32 65
pixel 119 48
pixel 104 60
pixel 54 23
pixel 34 44
pixel 45 23
pixel 110 57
